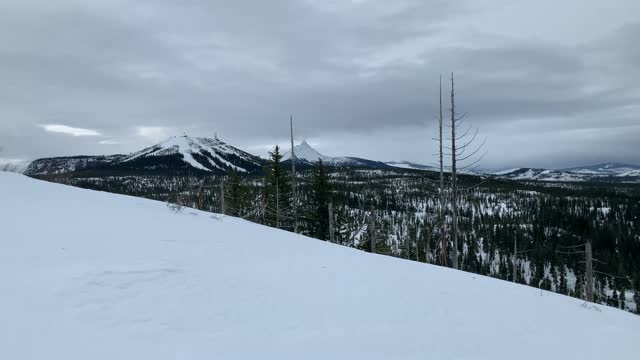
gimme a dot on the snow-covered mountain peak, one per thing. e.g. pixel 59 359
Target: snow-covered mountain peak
pixel 304 151
pixel 202 153
pixel 178 144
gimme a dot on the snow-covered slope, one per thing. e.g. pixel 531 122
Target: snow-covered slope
pixel 305 154
pixel 542 175
pixel 599 172
pixel 604 169
pixel 91 275
pixel 629 174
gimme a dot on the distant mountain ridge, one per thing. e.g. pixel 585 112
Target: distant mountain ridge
pixel 62 165
pixel 306 155
pixel 183 155
pixel 604 169
pixel 599 172
pixel 411 165
pixel 176 155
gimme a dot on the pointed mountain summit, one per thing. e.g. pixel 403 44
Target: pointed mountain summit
pixel 306 155
pixel 304 151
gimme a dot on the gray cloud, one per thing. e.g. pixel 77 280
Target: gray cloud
pixel 351 73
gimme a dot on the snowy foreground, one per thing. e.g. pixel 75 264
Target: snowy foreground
pixel 89 275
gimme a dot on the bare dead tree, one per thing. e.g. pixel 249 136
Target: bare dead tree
pixel 454 189
pixel 588 261
pixel 589 272
pixel 293 182
pixel 464 150
pixel 443 237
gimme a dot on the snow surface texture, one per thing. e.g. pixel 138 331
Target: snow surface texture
pixel 91 275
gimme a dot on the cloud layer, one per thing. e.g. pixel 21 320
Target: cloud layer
pixel 548 84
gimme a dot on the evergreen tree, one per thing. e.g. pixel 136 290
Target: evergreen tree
pixel 320 197
pixel 277 193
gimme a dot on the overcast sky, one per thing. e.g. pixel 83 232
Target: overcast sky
pixel 548 83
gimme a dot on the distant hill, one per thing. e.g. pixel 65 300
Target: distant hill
pixel 612 172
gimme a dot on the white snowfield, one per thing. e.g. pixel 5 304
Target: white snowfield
pixel 90 275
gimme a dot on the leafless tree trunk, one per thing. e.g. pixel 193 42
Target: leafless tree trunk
pixel 589 272
pixel 443 237
pixel 293 182
pixel 454 184
pixel 459 154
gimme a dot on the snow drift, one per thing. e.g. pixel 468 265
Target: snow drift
pixel 90 275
